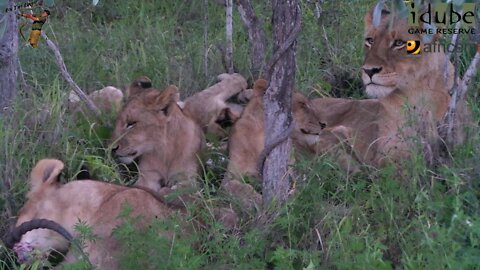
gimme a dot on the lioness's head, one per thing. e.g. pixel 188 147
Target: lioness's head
pixel 388 66
pixel 143 120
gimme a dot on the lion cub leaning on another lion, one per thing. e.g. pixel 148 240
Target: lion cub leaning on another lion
pixel 246 142
pixel 94 202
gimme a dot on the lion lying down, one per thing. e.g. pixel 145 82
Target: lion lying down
pixel 98 204
pixel 152 129
pixel 412 97
pixel 246 141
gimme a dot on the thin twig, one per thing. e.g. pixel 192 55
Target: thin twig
pixel 21 75
pixel 471 71
pixel 229 35
pixel 269 148
pixel 205 37
pixel 459 92
pixel 454 42
pixel 455 36
pixel 66 76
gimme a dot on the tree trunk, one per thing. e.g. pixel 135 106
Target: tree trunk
pixel 229 30
pixel 256 37
pixel 8 60
pixel 277 100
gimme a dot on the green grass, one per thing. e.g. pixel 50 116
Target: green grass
pixel 430 220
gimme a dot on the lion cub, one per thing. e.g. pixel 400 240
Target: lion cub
pixel 209 106
pixel 247 137
pixel 153 130
pixel 94 202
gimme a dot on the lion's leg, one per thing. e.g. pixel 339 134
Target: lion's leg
pixel 243 193
pixel 150 180
pixel 335 142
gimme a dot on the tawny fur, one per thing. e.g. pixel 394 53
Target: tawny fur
pixel 407 87
pixel 246 140
pixel 96 203
pixel 209 106
pixel 152 128
pixel 107 100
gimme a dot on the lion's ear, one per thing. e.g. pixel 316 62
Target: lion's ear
pixel 138 86
pixel 45 173
pixel 167 98
pixel 368 18
pixel 259 87
pixel 172 94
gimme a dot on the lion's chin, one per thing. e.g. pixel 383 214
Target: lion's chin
pixel 378 91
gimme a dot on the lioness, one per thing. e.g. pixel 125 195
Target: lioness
pixel 209 107
pixel 152 128
pixel 96 203
pixel 412 94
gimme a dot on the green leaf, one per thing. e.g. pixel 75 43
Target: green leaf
pixel 94 2
pixel 35 265
pixel 310 266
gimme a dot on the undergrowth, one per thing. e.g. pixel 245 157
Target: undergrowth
pixel 427 220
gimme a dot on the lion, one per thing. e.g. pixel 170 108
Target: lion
pixel 388 67
pixel 209 107
pixel 246 140
pixel 153 129
pixel 96 203
pixel 411 96
pixel 108 100
pixel 425 79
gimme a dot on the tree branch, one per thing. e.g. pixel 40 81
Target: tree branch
pixel 458 95
pixel 292 37
pixel 256 36
pixel 66 76
pixel 277 100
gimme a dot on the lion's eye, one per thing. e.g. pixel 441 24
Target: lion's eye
pixel 368 42
pixel 165 110
pixel 399 43
pixel 131 124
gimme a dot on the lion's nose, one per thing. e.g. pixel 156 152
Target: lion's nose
pixel 372 71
